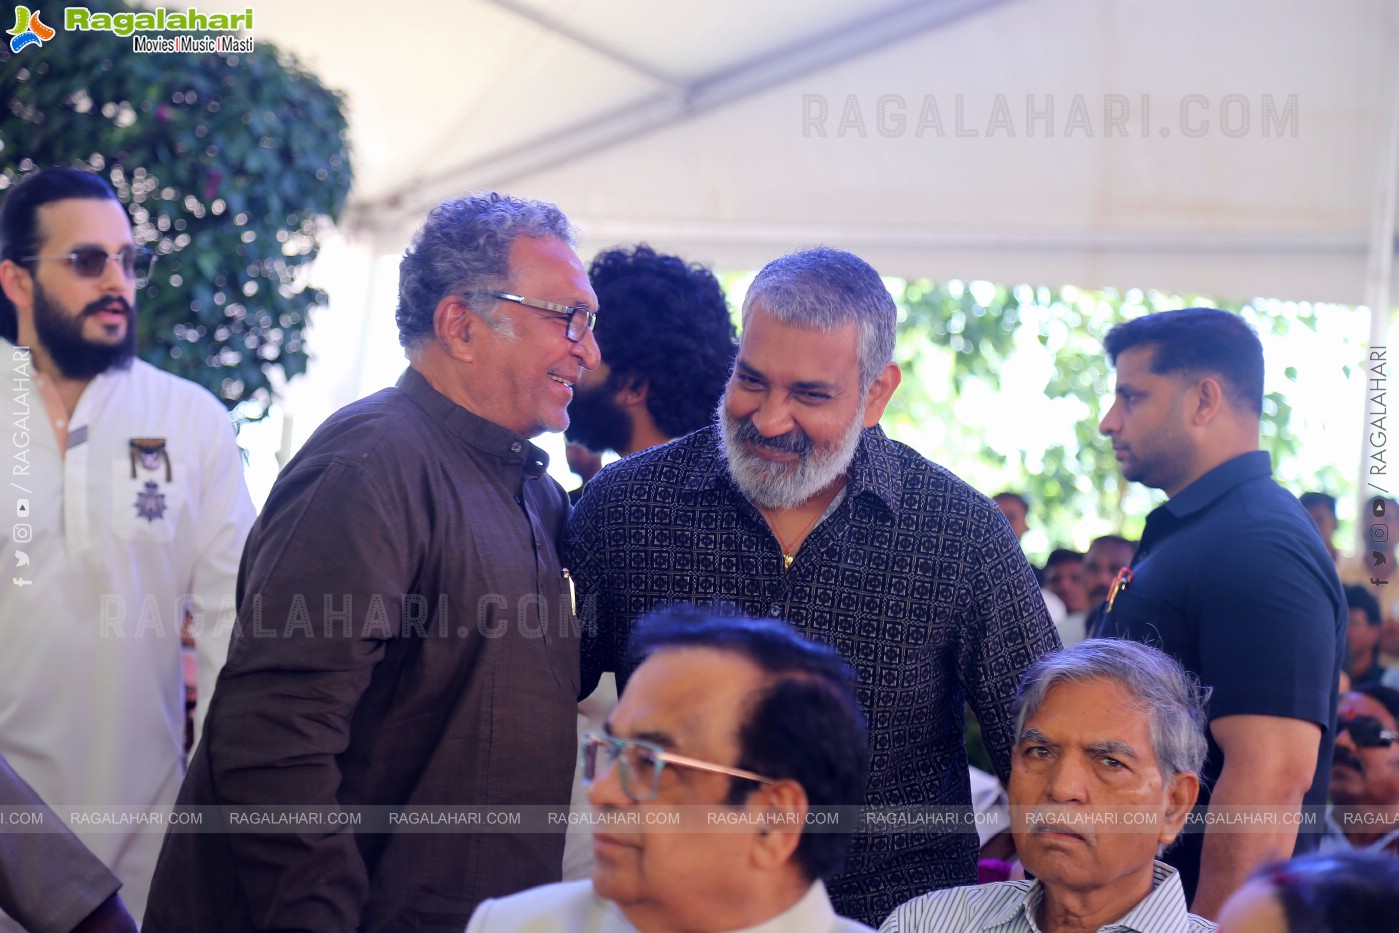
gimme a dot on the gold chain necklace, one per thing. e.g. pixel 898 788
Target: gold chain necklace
pixel 789 550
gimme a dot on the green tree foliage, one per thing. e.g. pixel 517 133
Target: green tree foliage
pixel 232 167
pixel 960 339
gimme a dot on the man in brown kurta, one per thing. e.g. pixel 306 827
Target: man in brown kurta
pixel 406 636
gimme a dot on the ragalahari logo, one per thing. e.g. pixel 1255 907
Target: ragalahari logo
pixel 29 30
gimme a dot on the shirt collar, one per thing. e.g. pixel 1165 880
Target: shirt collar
pixel 812 912
pixel 1216 482
pixel 1145 917
pixel 1166 900
pixel 1028 904
pixel 875 469
pixel 471 427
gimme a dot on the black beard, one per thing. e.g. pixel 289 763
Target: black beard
pixel 62 338
pixel 596 421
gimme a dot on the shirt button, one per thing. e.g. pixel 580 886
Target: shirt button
pixel 61 423
pixel 515 447
pixel 776 611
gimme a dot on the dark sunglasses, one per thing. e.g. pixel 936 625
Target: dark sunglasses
pixel 1367 732
pixel 89 262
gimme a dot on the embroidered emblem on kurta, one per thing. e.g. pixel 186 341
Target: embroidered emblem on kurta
pixel 150 453
pixel 150 504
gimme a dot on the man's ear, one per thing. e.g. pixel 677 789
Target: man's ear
pixel 18 284
pixel 881 390
pixel 782 807
pixel 454 325
pixel 1180 798
pixel 1208 400
pixel 633 391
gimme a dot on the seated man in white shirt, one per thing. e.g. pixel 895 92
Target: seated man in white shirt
pixel 1104 773
pixel 743 733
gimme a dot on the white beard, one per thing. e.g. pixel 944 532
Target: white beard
pixel 784 485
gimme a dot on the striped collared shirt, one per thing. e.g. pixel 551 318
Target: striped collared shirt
pixel 1010 907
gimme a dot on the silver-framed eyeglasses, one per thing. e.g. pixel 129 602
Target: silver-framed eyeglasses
pixel 640 763
pixel 580 319
pixel 89 262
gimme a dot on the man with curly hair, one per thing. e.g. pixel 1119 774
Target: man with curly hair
pixel 660 311
pixel 667 343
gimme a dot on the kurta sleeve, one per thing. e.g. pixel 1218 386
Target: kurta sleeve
pixel 321 591
pixel 48 879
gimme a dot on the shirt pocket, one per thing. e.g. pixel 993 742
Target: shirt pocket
pixel 147 506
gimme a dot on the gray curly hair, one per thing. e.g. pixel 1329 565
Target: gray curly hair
pixel 463 248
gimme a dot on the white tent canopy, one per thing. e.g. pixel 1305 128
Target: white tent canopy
pixel 1234 148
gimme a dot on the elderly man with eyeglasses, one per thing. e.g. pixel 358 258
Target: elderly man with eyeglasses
pixel 407 636
pixel 125 507
pixel 731 741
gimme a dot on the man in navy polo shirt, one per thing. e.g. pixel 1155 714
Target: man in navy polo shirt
pixel 1232 579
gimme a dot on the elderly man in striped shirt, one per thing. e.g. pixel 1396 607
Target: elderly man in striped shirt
pixel 1105 770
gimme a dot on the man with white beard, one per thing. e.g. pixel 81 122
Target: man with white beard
pixel 797 506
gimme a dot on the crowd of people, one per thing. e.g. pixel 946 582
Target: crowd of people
pixel 776 617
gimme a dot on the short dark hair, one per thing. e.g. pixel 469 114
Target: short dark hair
pixel 463 248
pixel 1062 555
pixel 1198 342
pixel 665 323
pixel 19 219
pixel 1387 697
pixel 1336 892
pixel 805 724
pixel 1112 539
pixel 1312 500
pixel 1024 503
pixel 1358 597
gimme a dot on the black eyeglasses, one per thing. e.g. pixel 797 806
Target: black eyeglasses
pixel 89 262
pixel 640 764
pixel 580 319
pixel 1367 732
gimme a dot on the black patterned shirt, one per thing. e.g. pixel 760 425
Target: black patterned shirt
pixel 915 578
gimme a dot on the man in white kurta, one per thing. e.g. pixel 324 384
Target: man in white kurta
pixel 686 836
pixel 124 509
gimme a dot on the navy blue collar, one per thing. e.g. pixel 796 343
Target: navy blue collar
pixel 1228 475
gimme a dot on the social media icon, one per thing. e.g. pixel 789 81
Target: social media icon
pixel 1377 558
pixel 1377 507
pixel 21 508
pixel 21 559
pixel 1378 582
pixel 22 533
pixel 1379 532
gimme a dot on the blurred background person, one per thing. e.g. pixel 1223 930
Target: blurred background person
pixel 1102 562
pixel 1324 892
pixel 1322 508
pixel 1363 636
pixel 1063 576
pixel 1365 774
